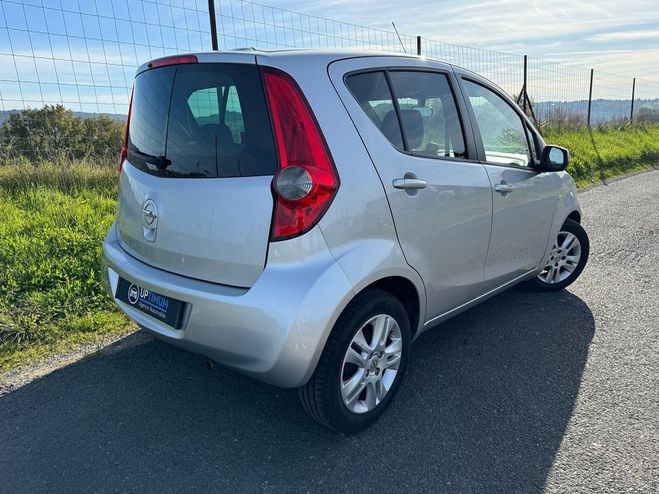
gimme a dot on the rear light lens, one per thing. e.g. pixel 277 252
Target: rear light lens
pixel 293 183
pixel 306 181
pixel 175 60
pixel 124 149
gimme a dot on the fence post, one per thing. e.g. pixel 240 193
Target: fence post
pixel 418 45
pixel 590 95
pixel 211 18
pixel 631 114
pixel 524 90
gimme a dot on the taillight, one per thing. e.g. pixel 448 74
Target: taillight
pixel 124 150
pixel 306 181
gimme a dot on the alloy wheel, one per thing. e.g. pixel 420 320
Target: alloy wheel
pixel 371 363
pixel 563 260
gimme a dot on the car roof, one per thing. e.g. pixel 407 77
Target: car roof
pixel 326 55
pixel 333 54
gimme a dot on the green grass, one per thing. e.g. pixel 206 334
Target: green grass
pixel 54 218
pixel 607 152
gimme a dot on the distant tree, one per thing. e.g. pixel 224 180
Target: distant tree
pixel 647 115
pixel 54 131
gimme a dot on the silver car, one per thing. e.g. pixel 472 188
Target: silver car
pixel 303 216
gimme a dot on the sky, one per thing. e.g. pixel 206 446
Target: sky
pixel 618 36
pixel 83 53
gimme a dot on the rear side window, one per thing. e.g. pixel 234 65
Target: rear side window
pixel 201 121
pixel 426 110
pixel 372 93
pixel 429 115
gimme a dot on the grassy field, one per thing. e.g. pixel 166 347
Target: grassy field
pixel 54 218
pixel 604 153
pixel 53 221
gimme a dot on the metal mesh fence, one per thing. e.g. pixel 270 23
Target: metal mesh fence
pixel 559 93
pixel 83 54
pixel 246 24
pixel 505 69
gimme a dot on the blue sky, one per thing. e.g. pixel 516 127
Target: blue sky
pixel 84 52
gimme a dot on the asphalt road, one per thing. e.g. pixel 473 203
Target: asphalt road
pixel 525 393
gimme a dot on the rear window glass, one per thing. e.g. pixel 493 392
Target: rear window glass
pixel 201 121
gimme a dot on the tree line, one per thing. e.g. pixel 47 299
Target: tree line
pixel 54 132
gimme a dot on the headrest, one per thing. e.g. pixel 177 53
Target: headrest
pixel 412 123
pixel 391 129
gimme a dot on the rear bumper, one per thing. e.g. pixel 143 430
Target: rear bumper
pixel 274 331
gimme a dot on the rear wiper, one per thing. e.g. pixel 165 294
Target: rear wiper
pixel 161 162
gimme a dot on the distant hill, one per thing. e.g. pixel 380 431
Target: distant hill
pixel 602 110
pixel 4 115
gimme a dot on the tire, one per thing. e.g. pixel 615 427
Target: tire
pixel 322 396
pixel 562 269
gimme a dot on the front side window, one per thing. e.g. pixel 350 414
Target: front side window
pixel 501 128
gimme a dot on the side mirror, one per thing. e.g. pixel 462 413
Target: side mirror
pixel 554 159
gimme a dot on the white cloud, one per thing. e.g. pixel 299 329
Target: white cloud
pixel 626 35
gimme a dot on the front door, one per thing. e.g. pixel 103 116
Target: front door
pixel 524 200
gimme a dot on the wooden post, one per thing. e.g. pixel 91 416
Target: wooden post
pixel 418 45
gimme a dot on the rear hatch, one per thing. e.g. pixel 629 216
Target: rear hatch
pixel 195 195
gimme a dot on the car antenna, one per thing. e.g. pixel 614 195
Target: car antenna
pixel 401 41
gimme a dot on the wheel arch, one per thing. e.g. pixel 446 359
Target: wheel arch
pixel 574 216
pixel 405 291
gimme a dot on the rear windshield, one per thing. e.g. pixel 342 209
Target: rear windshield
pixel 201 121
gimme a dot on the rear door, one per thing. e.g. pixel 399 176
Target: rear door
pixel 524 201
pixel 439 195
pixel 195 193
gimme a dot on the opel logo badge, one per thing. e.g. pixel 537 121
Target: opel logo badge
pixel 150 214
pixel 133 294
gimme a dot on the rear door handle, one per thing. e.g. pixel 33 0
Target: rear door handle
pixel 503 188
pixel 409 183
